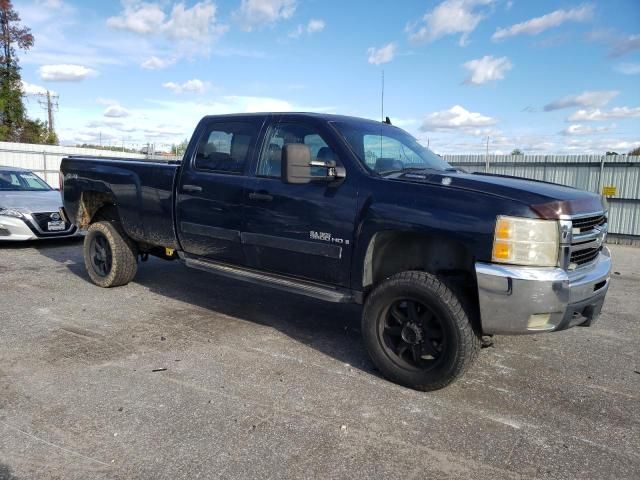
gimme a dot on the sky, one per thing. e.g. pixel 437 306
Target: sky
pixel 540 76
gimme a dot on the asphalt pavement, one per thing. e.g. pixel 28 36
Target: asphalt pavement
pixel 185 375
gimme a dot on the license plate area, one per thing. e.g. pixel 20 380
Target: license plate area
pixel 56 226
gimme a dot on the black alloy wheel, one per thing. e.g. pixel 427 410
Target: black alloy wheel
pixel 101 256
pixel 412 335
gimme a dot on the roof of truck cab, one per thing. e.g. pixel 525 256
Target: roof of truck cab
pixel 318 116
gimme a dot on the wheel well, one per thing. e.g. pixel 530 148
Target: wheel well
pixel 95 205
pixel 389 253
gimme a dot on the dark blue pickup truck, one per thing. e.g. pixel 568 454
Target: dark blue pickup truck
pixel 351 210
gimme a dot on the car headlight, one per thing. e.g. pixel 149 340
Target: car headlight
pixel 11 212
pixel 526 241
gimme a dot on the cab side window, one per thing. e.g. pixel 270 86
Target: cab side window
pixel 270 164
pixel 226 147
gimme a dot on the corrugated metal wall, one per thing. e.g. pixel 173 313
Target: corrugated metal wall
pixel 45 159
pixel 588 172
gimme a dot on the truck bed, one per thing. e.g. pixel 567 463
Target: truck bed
pixel 142 191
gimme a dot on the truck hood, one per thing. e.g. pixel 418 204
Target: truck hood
pixel 549 200
pixel 31 202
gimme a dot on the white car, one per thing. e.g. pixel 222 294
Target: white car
pixel 30 208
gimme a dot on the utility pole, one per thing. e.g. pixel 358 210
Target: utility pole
pixel 50 104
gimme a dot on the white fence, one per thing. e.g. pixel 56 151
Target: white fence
pixel 45 159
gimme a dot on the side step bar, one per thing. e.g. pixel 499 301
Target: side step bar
pixel 301 287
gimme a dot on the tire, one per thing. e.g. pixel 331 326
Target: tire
pixel 417 333
pixel 110 257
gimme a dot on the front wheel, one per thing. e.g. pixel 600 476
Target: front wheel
pixel 417 333
pixel 109 255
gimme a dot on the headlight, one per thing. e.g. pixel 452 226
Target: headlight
pixel 526 241
pixel 10 212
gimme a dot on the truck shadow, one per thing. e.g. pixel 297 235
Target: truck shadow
pixel 6 473
pixel 333 329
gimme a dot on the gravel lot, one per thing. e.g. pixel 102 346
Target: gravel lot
pixel 259 384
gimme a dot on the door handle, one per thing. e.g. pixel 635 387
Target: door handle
pixel 191 189
pixel 260 196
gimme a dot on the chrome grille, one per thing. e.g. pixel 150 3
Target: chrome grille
pixel 581 257
pixel 586 239
pixel 589 223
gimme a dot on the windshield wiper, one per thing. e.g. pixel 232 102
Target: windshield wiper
pixel 408 169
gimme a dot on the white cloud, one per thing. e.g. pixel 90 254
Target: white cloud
pixel 448 18
pixel 51 4
pixel 116 111
pixel 190 86
pixel 579 129
pixel 314 26
pixel 139 18
pixel 65 73
pixel 191 27
pixel 258 13
pixel 626 45
pixel 550 20
pixel 196 23
pixel 599 145
pixel 381 55
pixel 456 118
pixel 597 114
pixel 32 89
pixel 180 116
pixel 486 69
pixel 591 99
pixel 155 63
pixel 628 68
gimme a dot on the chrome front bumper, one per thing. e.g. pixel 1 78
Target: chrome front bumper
pixel 16 229
pixel 516 300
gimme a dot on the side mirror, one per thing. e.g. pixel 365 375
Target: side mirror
pixel 297 163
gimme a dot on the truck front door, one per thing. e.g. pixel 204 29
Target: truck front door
pixel 299 230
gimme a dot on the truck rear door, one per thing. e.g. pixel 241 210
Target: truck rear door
pixel 211 189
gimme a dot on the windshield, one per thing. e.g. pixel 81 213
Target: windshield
pixel 387 149
pixel 21 182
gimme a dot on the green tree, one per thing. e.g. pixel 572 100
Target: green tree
pixel 517 151
pixel 635 151
pixel 33 131
pixel 180 148
pixel 12 113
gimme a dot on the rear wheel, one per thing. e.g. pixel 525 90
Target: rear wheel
pixel 417 332
pixel 109 255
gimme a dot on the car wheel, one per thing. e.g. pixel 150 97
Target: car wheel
pixel 417 333
pixel 109 255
